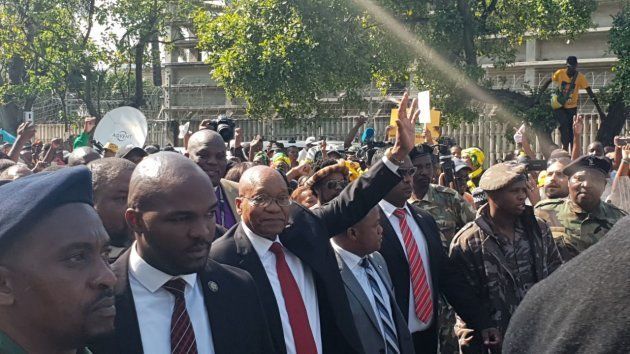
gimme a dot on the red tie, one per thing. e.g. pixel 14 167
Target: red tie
pixel 421 290
pixel 182 332
pixel 302 334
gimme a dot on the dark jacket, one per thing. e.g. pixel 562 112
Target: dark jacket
pixel 446 279
pixel 583 307
pixel 307 236
pixel 235 313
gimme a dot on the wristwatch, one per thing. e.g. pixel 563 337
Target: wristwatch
pixel 390 157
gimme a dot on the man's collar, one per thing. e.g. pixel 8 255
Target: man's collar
pixel 151 278
pixel 260 244
pixel 352 260
pixel 389 208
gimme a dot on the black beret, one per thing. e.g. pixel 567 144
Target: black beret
pixel 27 200
pixel 600 164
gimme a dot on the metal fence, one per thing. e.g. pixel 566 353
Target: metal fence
pixel 489 135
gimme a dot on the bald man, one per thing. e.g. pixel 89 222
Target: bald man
pixel 170 297
pixel 285 248
pixel 110 182
pixel 207 149
pixel 82 156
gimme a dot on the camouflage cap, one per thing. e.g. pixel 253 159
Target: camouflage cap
pixel 501 175
pixel 600 164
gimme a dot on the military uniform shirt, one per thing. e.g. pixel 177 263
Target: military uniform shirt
pixel 450 211
pixel 519 259
pixel 574 229
pixel 8 346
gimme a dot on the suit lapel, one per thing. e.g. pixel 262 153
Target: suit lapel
pixel 216 303
pixel 126 322
pixel 249 261
pixel 355 288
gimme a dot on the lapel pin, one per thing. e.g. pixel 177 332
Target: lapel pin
pixel 214 287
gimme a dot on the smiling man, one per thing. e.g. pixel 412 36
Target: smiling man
pixel 207 149
pixel 56 287
pixel 170 297
pixel 505 251
pixel 581 220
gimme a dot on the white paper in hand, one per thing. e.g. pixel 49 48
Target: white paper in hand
pixel 424 105
pixel 183 129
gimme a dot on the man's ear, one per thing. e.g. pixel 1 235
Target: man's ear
pixel 238 202
pixel 352 234
pixel 7 291
pixel 134 220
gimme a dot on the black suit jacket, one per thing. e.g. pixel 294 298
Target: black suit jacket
pixel 236 316
pixel 444 278
pixel 306 236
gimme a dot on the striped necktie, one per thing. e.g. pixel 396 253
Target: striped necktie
pixel 387 325
pixel 182 333
pixel 421 291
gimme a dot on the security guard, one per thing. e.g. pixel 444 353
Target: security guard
pixel 504 252
pixel 582 219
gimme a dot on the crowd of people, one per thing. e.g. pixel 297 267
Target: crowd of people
pixel 380 247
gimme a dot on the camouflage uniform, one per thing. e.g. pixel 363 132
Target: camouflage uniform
pixel 574 229
pixel 451 212
pixel 501 271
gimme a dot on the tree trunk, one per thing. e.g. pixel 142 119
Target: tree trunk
pixel 468 38
pixel 138 99
pixel 612 125
pixel 155 61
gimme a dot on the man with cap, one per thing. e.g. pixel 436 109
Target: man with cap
pixel 581 220
pixel 308 144
pixel 110 150
pixel 110 182
pixel 207 149
pixel 170 297
pixel 569 82
pixel 132 153
pixel 55 281
pixel 450 211
pixel 504 252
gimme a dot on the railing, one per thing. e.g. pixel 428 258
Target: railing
pixel 489 135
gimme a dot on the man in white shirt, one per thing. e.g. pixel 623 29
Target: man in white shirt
pixel 170 298
pixel 379 321
pixel 285 247
pixel 419 268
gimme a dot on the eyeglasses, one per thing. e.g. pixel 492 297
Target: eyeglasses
pixel 336 184
pixel 265 200
pixel 407 171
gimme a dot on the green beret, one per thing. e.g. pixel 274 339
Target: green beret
pixel 502 175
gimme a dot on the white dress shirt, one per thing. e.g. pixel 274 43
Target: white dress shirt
pixel 415 325
pixel 354 264
pixel 305 282
pixel 154 307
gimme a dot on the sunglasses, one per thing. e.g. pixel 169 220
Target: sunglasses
pixel 407 171
pixel 336 184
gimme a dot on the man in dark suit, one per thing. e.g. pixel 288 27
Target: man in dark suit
pixel 285 248
pixel 419 267
pixel 170 298
pixel 380 324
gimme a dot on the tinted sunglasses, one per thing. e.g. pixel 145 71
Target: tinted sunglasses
pixel 336 184
pixel 407 171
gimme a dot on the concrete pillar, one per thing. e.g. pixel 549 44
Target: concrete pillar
pixel 531 54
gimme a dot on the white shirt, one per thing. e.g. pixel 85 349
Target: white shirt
pixel 415 325
pixel 354 264
pixel 305 282
pixel 154 307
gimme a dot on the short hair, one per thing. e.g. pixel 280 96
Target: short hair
pixel 105 171
pixel 323 163
pixel 234 174
pixel 377 156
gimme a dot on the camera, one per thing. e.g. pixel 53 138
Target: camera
pixel 224 126
pixel 446 159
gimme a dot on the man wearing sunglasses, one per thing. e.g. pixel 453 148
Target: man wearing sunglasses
pixel 328 182
pixel 417 264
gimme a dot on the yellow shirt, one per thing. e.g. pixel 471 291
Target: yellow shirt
pixel 563 81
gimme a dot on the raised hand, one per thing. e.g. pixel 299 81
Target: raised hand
pixel 88 124
pixel 26 130
pixel 578 124
pixel 405 131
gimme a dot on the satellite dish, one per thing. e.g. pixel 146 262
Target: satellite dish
pixel 122 126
